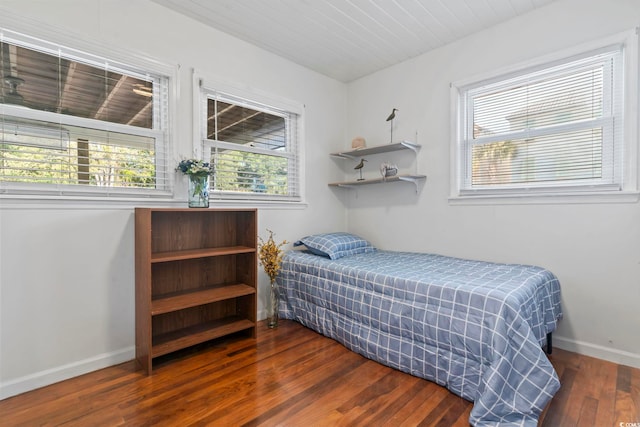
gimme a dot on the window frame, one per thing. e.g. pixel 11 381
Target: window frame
pixel 624 189
pixel 125 61
pixel 206 86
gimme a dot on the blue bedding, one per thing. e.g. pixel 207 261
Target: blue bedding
pixel 475 327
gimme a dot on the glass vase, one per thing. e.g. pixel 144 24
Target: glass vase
pixel 272 305
pixel 198 191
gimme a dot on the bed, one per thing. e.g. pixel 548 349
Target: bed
pixel 475 327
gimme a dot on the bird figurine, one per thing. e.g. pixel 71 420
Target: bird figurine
pixel 390 119
pixel 359 167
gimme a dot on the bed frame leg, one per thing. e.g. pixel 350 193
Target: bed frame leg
pixel 549 344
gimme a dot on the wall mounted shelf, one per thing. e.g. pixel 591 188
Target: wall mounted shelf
pixel 414 179
pixel 380 149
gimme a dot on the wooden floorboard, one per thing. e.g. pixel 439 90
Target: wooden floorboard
pixel 291 376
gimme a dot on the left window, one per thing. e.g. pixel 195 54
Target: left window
pixel 75 123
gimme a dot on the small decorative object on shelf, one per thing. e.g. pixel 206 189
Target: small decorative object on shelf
pixel 270 256
pixel 387 170
pixel 198 173
pixel 357 143
pixel 359 168
pixel 390 119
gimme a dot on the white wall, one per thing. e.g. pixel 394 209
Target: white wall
pixel 593 248
pixel 67 268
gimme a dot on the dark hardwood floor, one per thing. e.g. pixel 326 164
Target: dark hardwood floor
pixel 292 376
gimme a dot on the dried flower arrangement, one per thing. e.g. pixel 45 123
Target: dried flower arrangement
pixel 271 256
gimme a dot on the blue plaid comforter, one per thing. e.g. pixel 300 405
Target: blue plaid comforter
pixel 475 327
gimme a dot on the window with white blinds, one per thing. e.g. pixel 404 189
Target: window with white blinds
pixel 549 128
pixel 253 148
pixel 75 123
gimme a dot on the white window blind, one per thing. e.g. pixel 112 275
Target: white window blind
pixel 549 128
pixel 75 123
pixel 253 149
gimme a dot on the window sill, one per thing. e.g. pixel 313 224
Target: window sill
pixel 260 204
pixel 23 201
pixel 547 198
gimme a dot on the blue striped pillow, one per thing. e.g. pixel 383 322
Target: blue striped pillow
pixel 335 245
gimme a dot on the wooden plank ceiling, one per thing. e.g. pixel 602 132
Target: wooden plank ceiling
pixel 348 39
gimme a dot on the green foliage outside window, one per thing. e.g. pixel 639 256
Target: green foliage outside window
pixel 94 164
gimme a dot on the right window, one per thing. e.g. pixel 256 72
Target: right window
pixel 556 127
pixel 253 148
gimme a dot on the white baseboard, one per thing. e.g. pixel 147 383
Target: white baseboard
pixel 61 373
pixel 593 350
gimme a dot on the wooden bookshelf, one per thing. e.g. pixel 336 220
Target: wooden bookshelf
pixel 196 275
